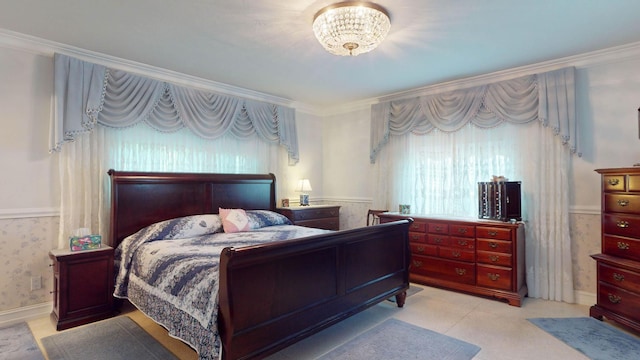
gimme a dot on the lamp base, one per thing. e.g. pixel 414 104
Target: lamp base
pixel 304 200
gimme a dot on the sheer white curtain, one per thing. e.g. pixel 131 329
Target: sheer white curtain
pixel 107 118
pixel 85 161
pixel 437 173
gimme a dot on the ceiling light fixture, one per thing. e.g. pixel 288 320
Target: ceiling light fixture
pixel 351 28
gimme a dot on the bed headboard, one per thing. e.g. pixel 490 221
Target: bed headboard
pixel 139 199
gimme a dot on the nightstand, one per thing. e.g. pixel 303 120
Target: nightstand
pixel 317 216
pixel 82 286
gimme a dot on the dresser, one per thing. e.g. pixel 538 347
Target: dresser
pixel 618 263
pixel 317 216
pixel 82 286
pixel 480 257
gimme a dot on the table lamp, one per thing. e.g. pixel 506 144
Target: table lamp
pixel 304 186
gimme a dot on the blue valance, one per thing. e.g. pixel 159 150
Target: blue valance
pixel 547 97
pixel 87 94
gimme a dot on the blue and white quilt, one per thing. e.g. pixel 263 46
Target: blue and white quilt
pixel 169 270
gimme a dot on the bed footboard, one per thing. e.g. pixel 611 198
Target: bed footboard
pixel 272 296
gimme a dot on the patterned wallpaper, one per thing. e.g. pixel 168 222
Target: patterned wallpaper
pixel 25 245
pixel 585 235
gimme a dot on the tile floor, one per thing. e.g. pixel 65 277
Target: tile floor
pixel 502 331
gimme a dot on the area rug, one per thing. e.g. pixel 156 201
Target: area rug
pixel 395 339
pixel 116 338
pixel 17 343
pixel 594 338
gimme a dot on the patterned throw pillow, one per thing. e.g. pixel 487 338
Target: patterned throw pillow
pixel 188 227
pixel 234 220
pixel 263 218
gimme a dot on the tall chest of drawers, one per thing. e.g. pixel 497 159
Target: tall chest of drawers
pixel 618 297
pixel 479 257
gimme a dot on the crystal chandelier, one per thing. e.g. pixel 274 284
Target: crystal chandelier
pixel 351 28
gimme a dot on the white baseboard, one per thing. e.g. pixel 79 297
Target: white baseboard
pixel 585 298
pixel 25 313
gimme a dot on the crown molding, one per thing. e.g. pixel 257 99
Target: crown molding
pixel 585 60
pixel 9 39
pixel 580 61
pixel 18 41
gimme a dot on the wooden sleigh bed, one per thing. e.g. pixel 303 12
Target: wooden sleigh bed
pixel 271 295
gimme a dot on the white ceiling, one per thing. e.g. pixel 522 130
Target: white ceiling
pixel 268 46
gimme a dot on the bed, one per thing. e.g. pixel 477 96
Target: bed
pixel 271 293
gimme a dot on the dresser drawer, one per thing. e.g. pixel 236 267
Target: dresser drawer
pixel 623 225
pixel 494 258
pixel 501 246
pixel 450 270
pixel 457 254
pixel 494 277
pixel 619 300
pixel 624 247
pixel 462 230
pixel 423 249
pixel 614 183
pixel 622 203
pixel 624 279
pixel 438 240
pixel 438 228
pixel 417 237
pixel 419 263
pixel 418 226
pixel 634 183
pixel 462 243
pixel 493 233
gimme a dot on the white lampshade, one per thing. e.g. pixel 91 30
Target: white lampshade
pixel 304 185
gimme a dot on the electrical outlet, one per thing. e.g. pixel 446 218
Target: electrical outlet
pixel 36 283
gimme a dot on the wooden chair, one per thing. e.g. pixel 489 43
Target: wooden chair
pixel 372 216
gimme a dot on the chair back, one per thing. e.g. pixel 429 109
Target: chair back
pixel 372 216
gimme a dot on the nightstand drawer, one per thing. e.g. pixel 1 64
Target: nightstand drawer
pixel 328 223
pixel 314 213
pixel 318 216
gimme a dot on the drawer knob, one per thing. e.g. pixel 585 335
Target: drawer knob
pixel 438 240
pixel 493 277
pixel 622 202
pixel 463 242
pixel 415 226
pixel 420 249
pixel 615 299
pixel 622 224
pixel 438 228
pixel 417 263
pixel 415 237
pixel 618 277
pixel 494 258
pixel 493 233
pixel 493 245
pixel 455 254
pixel 623 246
pixel 461 271
pixel 614 182
pixel 462 230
